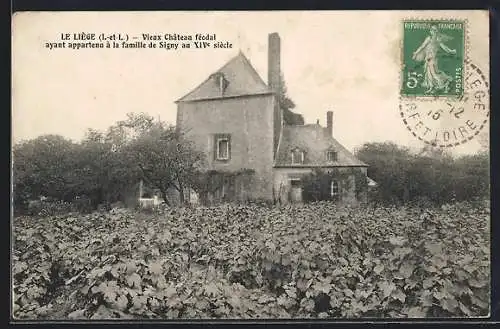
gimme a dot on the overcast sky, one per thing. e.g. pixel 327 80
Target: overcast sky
pixel 347 62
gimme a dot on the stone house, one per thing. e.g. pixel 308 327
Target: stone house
pixel 236 119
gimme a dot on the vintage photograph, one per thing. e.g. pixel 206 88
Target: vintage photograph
pixel 250 165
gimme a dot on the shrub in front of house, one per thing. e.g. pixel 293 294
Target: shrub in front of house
pixel 334 184
pixel 49 207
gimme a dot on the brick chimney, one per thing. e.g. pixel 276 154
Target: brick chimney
pixel 274 83
pixel 274 56
pixel 329 122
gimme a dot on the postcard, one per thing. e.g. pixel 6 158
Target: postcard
pixel 250 165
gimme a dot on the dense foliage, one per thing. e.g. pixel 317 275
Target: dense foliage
pixel 317 185
pixel 286 105
pixel 429 175
pixel 316 260
pixel 105 166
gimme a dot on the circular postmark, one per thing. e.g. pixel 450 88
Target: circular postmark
pixel 449 122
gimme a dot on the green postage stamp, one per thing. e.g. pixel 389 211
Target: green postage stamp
pixel 433 58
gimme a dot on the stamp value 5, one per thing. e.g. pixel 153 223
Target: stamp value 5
pixel 433 58
pixel 450 122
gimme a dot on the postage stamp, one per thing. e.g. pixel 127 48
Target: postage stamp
pixel 451 122
pixel 433 58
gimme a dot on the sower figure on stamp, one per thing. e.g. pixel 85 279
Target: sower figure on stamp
pixel 428 52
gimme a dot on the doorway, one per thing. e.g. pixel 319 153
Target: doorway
pixel 295 190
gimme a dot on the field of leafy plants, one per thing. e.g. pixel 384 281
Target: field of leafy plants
pixel 310 261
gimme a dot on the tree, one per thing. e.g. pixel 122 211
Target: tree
pixel 165 158
pixel 286 104
pixel 389 166
pixel 472 176
pixel 43 167
pixel 430 174
pixel 104 172
pixel 104 166
pixel 434 151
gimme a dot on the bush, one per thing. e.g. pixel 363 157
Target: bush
pixel 83 204
pixel 405 176
pixel 317 185
pixel 49 207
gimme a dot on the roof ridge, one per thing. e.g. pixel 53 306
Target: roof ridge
pixel 344 148
pixel 254 71
pixel 292 139
pixel 238 61
pixel 209 77
pixel 228 62
pixel 306 125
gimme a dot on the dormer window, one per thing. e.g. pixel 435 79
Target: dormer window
pixel 298 156
pixel 221 81
pixel 331 156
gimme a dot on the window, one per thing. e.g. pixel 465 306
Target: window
pixel 297 156
pixel 295 182
pixel 221 81
pixel 334 189
pixel 331 156
pixel 222 147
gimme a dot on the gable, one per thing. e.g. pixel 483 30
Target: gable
pixel 315 142
pixel 240 79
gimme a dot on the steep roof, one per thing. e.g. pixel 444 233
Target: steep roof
pixel 315 141
pixel 241 77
